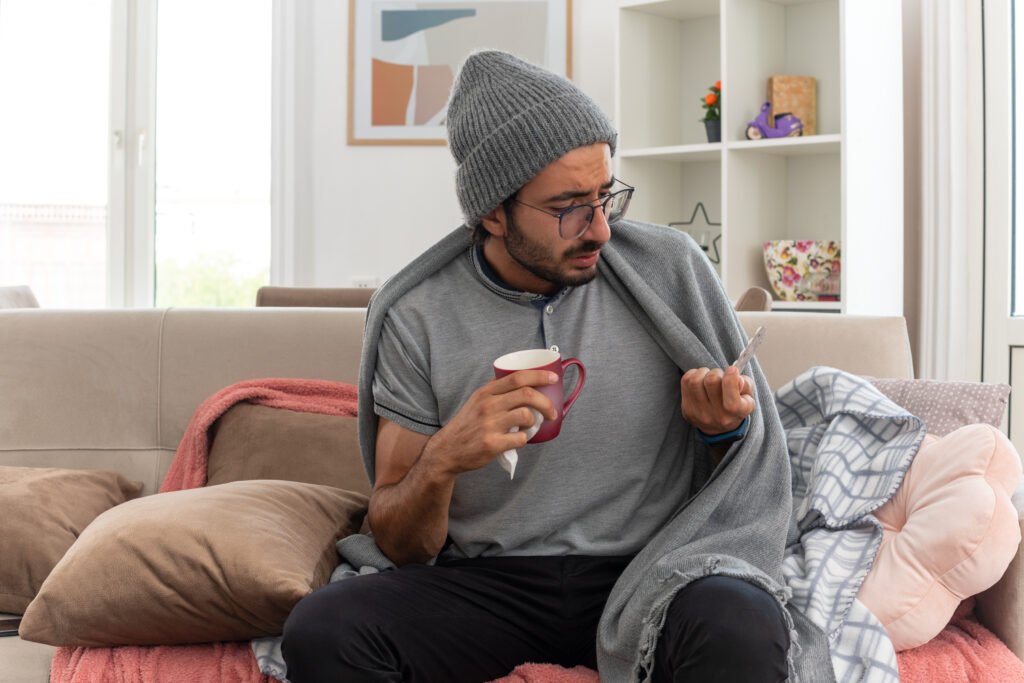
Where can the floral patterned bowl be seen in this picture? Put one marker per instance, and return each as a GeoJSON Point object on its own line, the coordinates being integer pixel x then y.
{"type": "Point", "coordinates": [803, 270]}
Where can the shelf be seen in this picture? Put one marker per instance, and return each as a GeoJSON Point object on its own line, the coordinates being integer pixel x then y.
{"type": "Point", "coordinates": [812, 144]}
{"type": "Point", "coordinates": [673, 9]}
{"type": "Point", "coordinates": [807, 306]}
{"type": "Point", "coordinates": [814, 187]}
{"type": "Point", "coordinates": [659, 104]}
{"type": "Point", "coordinates": [704, 152]}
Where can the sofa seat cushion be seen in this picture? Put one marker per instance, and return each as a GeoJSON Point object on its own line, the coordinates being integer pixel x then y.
{"type": "Point", "coordinates": [23, 662]}
{"type": "Point", "coordinates": [44, 512]}
{"type": "Point", "coordinates": [950, 531]}
{"type": "Point", "coordinates": [224, 562]}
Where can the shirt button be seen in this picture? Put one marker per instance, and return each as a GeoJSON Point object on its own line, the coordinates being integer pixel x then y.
{"type": "Point", "coordinates": [554, 348]}
{"type": "Point", "coordinates": [549, 309]}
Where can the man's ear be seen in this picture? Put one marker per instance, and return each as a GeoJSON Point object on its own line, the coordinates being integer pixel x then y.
{"type": "Point", "coordinates": [494, 222]}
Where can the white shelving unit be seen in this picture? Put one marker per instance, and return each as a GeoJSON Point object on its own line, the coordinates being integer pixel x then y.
{"type": "Point", "coordinates": [845, 183]}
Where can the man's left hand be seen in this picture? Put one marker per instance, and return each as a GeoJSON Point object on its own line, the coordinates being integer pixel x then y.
{"type": "Point", "coordinates": [716, 401]}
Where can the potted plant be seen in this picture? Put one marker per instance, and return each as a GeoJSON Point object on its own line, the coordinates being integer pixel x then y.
{"type": "Point", "coordinates": [712, 104]}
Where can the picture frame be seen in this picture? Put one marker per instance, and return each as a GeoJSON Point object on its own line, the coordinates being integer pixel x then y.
{"type": "Point", "coordinates": [403, 56]}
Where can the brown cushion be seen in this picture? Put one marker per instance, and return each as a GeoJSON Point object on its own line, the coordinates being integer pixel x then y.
{"type": "Point", "coordinates": [43, 511]}
{"type": "Point", "coordinates": [224, 562]}
{"type": "Point", "coordinates": [258, 442]}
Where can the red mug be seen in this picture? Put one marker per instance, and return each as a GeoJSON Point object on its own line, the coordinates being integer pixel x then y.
{"type": "Point", "coordinates": [544, 359]}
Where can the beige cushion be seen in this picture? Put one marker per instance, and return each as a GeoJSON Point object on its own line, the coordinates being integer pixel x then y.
{"type": "Point", "coordinates": [44, 511]}
{"type": "Point", "coordinates": [115, 389]}
{"type": "Point", "coordinates": [143, 465]}
{"type": "Point", "coordinates": [24, 662]}
{"type": "Point", "coordinates": [206, 350]}
{"type": "Point", "coordinates": [225, 562]}
{"type": "Point", "coordinates": [863, 345]}
{"type": "Point", "coordinates": [78, 379]}
{"type": "Point", "coordinates": [259, 442]}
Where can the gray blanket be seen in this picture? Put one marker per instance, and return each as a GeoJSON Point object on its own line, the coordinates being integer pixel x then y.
{"type": "Point", "coordinates": [849, 448]}
{"type": "Point", "coordinates": [733, 519]}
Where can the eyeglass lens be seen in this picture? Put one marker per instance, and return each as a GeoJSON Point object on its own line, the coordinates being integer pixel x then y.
{"type": "Point", "coordinates": [576, 221]}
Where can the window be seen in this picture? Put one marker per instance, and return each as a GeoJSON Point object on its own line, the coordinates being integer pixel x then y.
{"type": "Point", "coordinates": [135, 143]}
{"type": "Point", "coordinates": [54, 133]}
{"type": "Point", "coordinates": [213, 106]}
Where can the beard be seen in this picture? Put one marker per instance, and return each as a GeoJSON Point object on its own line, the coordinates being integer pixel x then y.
{"type": "Point", "coordinates": [535, 258]}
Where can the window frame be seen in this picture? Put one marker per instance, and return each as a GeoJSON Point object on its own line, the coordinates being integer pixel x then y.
{"type": "Point", "coordinates": [131, 224]}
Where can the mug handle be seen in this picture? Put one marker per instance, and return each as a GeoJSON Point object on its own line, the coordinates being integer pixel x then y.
{"type": "Point", "coordinates": [581, 378]}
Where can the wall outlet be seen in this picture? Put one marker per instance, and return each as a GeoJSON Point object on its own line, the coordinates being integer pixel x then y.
{"type": "Point", "coordinates": [366, 281]}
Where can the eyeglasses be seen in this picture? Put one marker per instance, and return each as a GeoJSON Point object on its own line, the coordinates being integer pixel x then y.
{"type": "Point", "coordinates": [575, 220]}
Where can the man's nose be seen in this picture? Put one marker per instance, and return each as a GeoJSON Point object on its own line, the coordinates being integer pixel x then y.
{"type": "Point", "coordinates": [599, 230]}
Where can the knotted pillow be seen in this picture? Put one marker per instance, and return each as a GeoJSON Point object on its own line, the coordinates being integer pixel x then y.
{"type": "Point", "coordinates": [950, 532]}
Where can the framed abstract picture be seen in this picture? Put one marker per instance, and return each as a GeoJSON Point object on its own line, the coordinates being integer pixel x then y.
{"type": "Point", "coordinates": [404, 54]}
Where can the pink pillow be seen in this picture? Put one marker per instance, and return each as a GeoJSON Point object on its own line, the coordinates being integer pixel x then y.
{"type": "Point", "coordinates": [950, 531]}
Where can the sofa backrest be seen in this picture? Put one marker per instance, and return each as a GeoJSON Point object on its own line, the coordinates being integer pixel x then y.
{"type": "Point", "coordinates": [876, 346]}
{"type": "Point", "coordinates": [116, 389]}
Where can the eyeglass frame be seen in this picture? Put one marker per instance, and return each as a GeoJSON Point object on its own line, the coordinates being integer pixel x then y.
{"type": "Point", "coordinates": [593, 206]}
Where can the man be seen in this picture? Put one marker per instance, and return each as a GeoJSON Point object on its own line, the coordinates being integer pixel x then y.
{"type": "Point", "coordinates": [524, 567]}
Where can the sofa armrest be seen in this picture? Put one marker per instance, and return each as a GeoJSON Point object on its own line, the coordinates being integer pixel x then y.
{"type": "Point", "coordinates": [1001, 607]}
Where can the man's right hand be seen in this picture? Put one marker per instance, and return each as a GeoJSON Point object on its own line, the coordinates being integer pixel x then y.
{"type": "Point", "coordinates": [416, 474]}
{"type": "Point", "coordinates": [479, 431]}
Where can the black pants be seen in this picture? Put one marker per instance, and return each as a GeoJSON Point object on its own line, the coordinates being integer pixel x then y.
{"type": "Point", "coordinates": [476, 620]}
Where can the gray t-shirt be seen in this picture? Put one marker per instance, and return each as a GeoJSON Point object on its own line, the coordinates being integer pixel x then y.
{"type": "Point", "coordinates": [612, 477]}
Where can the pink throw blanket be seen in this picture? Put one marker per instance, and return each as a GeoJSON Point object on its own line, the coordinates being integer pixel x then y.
{"type": "Point", "coordinates": [188, 470]}
{"type": "Point", "coordinates": [549, 673]}
{"type": "Point", "coordinates": [205, 662]}
{"type": "Point", "coordinates": [963, 651]}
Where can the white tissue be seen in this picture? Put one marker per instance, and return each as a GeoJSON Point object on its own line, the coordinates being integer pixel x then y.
{"type": "Point", "coordinates": [509, 458]}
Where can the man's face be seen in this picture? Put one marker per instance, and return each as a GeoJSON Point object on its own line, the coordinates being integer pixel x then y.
{"type": "Point", "coordinates": [530, 254]}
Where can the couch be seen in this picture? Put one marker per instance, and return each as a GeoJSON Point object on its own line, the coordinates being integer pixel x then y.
{"type": "Point", "coordinates": [114, 390]}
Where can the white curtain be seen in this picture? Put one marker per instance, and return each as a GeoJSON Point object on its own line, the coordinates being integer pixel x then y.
{"type": "Point", "coordinates": [938, 221]}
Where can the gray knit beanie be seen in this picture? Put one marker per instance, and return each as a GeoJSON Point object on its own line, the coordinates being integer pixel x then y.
{"type": "Point", "coordinates": [508, 119]}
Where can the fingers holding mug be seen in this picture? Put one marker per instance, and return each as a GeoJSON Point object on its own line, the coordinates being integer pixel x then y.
{"type": "Point", "coordinates": [519, 362]}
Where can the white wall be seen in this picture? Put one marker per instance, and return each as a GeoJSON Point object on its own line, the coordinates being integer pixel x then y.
{"type": "Point", "coordinates": [365, 211]}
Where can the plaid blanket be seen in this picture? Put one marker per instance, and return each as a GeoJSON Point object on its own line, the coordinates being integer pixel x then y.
{"type": "Point", "coordinates": [849, 449]}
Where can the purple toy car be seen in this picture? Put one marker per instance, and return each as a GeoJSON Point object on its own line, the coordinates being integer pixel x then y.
{"type": "Point", "coordinates": [786, 125]}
